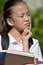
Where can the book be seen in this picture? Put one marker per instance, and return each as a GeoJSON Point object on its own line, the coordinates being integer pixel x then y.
{"type": "Point", "coordinates": [19, 58]}
{"type": "Point", "coordinates": [2, 57]}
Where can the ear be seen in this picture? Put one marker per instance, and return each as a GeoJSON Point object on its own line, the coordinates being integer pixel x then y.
{"type": "Point", "coordinates": [10, 21]}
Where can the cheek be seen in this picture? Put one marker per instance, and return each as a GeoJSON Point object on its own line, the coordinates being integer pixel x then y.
{"type": "Point", "coordinates": [18, 24]}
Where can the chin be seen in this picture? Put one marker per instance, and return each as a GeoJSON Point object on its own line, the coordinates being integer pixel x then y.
{"type": "Point", "coordinates": [28, 28]}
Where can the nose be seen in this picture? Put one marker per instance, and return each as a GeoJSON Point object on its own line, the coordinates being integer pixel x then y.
{"type": "Point", "coordinates": [26, 17]}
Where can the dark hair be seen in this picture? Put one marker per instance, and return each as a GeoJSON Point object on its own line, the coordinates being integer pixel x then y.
{"type": "Point", "coordinates": [7, 14]}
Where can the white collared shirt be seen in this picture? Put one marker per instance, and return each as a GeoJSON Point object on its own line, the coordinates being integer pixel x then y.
{"type": "Point", "coordinates": [35, 48]}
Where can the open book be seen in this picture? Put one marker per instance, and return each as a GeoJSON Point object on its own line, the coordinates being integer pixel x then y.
{"type": "Point", "coordinates": [18, 58]}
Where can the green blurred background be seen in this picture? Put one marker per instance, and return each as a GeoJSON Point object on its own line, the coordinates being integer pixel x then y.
{"type": "Point", "coordinates": [37, 19]}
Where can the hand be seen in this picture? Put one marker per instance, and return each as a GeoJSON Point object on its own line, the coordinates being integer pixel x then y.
{"type": "Point", "coordinates": [25, 37]}
{"type": "Point", "coordinates": [35, 61]}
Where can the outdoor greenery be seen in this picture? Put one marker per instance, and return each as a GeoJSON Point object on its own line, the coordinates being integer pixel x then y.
{"type": "Point", "coordinates": [37, 20]}
{"type": "Point", "coordinates": [37, 28]}
{"type": "Point", "coordinates": [1, 5]}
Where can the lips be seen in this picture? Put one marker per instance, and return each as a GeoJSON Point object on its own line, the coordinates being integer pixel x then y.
{"type": "Point", "coordinates": [27, 23]}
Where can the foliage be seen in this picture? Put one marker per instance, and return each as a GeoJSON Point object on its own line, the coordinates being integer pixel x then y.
{"type": "Point", "coordinates": [37, 20]}
{"type": "Point", "coordinates": [1, 5]}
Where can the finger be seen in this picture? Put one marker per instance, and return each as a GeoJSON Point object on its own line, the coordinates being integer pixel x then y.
{"type": "Point", "coordinates": [35, 62]}
{"type": "Point", "coordinates": [26, 32]}
{"type": "Point", "coordinates": [29, 35]}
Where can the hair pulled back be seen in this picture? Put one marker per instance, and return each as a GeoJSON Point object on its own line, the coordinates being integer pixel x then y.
{"type": "Point", "coordinates": [7, 14]}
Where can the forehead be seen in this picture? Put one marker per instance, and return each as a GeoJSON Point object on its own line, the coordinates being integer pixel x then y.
{"type": "Point", "coordinates": [20, 8]}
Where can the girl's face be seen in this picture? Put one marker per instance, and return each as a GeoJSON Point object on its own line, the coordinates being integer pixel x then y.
{"type": "Point", "coordinates": [21, 17]}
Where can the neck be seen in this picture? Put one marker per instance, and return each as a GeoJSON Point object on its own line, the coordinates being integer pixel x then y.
{"type": "Point", "coordinates": [16, 34]}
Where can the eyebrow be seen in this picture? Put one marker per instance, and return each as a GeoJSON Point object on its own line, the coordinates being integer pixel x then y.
{"type": "Point", "coordinates": [26, 12]}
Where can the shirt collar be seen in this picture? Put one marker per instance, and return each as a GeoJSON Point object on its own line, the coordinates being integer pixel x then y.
{"type": "Point", "coordinates": [13, 40]}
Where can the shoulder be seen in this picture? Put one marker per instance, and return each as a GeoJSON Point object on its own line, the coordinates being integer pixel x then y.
{"type": "Point", "coordinates": [35, 45]}
{"type": "Point", "coordinates": [35, 41]}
